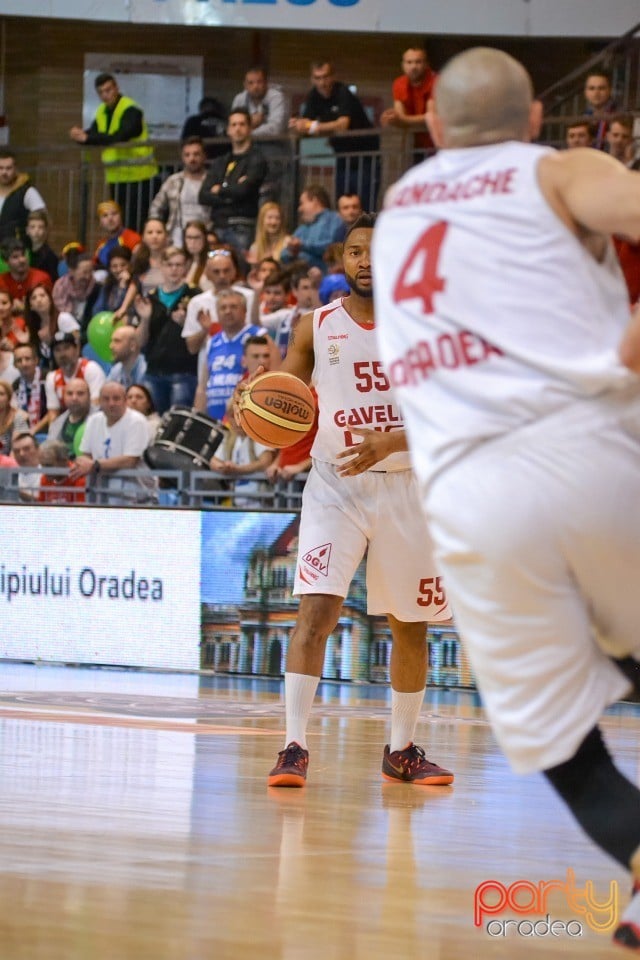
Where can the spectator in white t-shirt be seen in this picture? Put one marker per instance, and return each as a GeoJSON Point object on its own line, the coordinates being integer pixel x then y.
{"type": "Point", "coordinates": [114, 439]}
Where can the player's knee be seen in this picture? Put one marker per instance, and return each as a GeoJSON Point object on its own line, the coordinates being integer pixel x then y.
{"type": "Point", "coordinates": [308, 641]}
{"type": "Point", "coordinates": [316, 621]}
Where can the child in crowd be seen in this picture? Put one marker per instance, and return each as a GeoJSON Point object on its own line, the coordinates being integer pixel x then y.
{"type": "Point", "coordinates": [58, 488]}
{"type": "Point", "coordinates": [119, 289]}
{"type": "Point", "coordinates": [42, 256]}
{"type": "Point", "coordinates": [275, 309]}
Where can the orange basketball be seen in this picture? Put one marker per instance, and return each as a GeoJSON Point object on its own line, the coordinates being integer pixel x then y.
{"type": "Point", "coordinates": [277, 409]}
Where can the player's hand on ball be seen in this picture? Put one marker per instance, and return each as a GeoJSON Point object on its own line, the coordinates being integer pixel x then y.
{"type": "Point", "coordinates": [375, 446]}
{"type": "Point", "coordinates": [241, 387]}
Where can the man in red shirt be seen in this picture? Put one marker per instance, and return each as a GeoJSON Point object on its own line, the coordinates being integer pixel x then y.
{"type": "Point", "coordinates": [21, 278]}
{"type": "Point", "coordinates": [411, 94]}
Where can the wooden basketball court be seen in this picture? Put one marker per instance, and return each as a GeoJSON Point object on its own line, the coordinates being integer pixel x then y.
{"type": "Point", "coordinates": [135, 822]}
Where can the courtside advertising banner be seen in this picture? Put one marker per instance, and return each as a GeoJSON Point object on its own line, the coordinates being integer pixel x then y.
{"type": "Point", "coordinates": [104, 586]}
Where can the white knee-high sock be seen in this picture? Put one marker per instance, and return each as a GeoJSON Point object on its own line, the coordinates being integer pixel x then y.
{"type": "Point", "coordinates": [405, 711]}
{"type": "Point", "coordinates": [299, 691]}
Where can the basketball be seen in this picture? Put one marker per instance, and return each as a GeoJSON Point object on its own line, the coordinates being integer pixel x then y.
{"type": "Point", "coordinates": [276, 410]}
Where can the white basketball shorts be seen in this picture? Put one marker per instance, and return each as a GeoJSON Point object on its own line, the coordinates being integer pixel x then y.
{"type": "Point", "coordinates": [343, 517]}
{"type": "Point", "coordinates": [538, 537]}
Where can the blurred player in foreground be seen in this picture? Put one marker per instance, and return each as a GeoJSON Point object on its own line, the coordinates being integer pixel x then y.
{"type": "Point", "coordinates": [360, 495]}
{"type": "Point", "coordinates": [505, 329]}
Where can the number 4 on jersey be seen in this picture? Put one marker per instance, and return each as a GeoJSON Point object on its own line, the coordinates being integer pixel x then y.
{"type": "Point", "coordinates": [422, 266]}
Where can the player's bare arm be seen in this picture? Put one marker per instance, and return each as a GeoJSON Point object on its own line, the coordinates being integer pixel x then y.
{"type": "Point", "coordinates": [375, 446]}
{"type": "Point", "coordinates": [629, 350]}
{"type": "Point", "coordinates": [592, 192]}
{"type": "Point", "coordinates": [595, 195]}
{"type": "Point", "coordinates": [299, 359]}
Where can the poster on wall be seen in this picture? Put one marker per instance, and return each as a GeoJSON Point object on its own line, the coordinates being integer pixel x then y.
{"type": "Point", "coordinates": [167, 88]}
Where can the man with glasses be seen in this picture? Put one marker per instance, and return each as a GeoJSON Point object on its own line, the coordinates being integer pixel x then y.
{"type": "Point", "coordinates": [222, 271]}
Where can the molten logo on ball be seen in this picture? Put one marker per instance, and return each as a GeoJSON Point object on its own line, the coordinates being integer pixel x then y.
{"type": "Point", "coordinates": [277, 409]}
{"type": "Point", "coordinates": [290, 408]}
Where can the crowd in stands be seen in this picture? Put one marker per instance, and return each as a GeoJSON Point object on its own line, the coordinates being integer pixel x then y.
{"type": "Point", "coordinates": [604, 127]}
{"type": "Point", "coordinates": [97, 347]}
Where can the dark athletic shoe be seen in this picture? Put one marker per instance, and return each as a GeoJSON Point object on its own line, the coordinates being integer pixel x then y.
{"type": "Point", "coordinates": [627, 933]}
{"type": "Point", "coordinates": [411, 766]}
{"type": "Point", "coordinates": [291, 768]}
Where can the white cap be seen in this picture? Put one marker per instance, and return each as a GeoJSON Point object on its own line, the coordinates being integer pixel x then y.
{"type": "Point", "coordinates": [67, 322]}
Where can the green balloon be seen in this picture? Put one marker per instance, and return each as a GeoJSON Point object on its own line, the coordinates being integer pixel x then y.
{"type": "Point", "coordinates": [99, 334]}
{"type": "Point", "coordinates": [77, 439]}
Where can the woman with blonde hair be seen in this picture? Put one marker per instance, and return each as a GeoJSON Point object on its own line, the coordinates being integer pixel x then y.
{"type": "Point", "coordinates": [270, 234]}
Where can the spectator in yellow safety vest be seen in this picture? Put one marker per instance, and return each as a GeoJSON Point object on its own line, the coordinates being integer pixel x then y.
{"type": "Point", "coordinates": [120, 129]}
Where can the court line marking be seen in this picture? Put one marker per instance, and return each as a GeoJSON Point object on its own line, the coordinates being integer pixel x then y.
{"type": "Point", "coordinates": [175, 726]}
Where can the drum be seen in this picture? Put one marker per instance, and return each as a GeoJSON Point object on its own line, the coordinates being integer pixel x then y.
{"type": "Point", "coordinates": [185, 440]}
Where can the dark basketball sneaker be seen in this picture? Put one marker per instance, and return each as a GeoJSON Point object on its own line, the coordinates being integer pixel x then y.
{"type": "Point", "coordinates": [411, 766]}
{"type": "Point", "coordinates": [628, 935]}
{"type": "Point", "coordinates": [291, 768]}
{"type": "Point", "coordinates": [628, 931]}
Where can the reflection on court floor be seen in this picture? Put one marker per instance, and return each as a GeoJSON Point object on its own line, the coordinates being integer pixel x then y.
{"type": "Point", "coordinates": [135, 822]}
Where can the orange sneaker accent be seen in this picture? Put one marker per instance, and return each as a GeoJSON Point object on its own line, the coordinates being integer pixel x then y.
{"type": "Point", "coordinates": [291, 767]}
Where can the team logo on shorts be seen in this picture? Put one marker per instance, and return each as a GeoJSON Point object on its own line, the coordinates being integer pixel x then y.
{"type": "Point", "coordinates": [318, 559]}
{"type": "Point", "coordinates": [334, 354]}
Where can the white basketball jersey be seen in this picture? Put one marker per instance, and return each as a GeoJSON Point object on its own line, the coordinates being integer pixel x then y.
{"type": "Point", "coordinates": [352, 388]}
{"type": "Point", "coordinates": [491, 314]}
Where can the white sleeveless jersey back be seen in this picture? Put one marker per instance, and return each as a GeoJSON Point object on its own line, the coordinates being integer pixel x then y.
{"type": "Point", "coordinates": [352, 388]}
{"type": "Point", "coordinates": [491, 314]}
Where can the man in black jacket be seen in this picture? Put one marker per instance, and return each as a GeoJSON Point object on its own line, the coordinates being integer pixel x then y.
{"type": "Point", "coordinates": [232, 186]}
{"type": "Point", "coordinates": [331, 110]}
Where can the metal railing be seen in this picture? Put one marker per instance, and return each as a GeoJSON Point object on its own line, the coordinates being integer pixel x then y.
{"type": "Point", "coordinates": [189, 489]}
{"type": "Point", "coordinates": [72, 181]}
{"type": "Point", "coordinates": [563, 101]}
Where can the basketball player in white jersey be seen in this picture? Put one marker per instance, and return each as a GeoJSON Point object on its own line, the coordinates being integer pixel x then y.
{"type": "Point", "coordinates": [505, 329]}
{"type": "Point", "coordinates": [360, 495]}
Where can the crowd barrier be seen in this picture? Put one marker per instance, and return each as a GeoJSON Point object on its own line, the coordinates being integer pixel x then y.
{"type": "Point", "coordinates": [145, 487]}
{"type": "Point", "coordinates": [72, 181]}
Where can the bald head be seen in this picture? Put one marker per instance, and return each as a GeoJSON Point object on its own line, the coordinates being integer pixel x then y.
{"type": "Point", "coordinates": [483, 96]}
{"type": "Point", "coordinates": [125, 345]}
